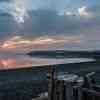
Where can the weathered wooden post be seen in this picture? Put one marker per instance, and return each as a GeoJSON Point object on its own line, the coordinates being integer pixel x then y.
{"type": "Point", "coordinates": [50, 75]}
{"type": "Point", "coordinates": [59, 90]}
{"type": "Point", "coordinates": [69, 91]}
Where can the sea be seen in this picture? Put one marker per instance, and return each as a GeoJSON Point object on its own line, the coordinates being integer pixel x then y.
{"type": "Point", "coordinates": [18, 84]}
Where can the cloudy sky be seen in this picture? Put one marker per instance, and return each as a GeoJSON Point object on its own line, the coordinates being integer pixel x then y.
{"type": "Point", "coordinates": [27, 25]}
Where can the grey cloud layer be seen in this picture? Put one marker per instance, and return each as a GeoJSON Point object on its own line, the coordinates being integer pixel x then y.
{"type": "Point", "coordinates": [94, 10]}
{"type": "Point", "coordinates": [46, 21]}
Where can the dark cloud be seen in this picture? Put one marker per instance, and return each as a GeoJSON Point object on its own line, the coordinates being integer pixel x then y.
{"type": "Point", "coordinates": [49, 22]}
{"type": "Point", "coordinates": [43, 22]}
{"type": "Point", "coordinates": [94, 10]}
{"type": "Point", "coordinates": [44, 19]}
{"type": "Point", "coordinates": [5, 0]}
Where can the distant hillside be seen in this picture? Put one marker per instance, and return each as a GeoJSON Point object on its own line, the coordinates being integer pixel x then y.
{"type": "Point", "coordinates": [64, 54]}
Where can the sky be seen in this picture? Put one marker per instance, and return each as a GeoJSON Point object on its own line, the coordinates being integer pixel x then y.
{"type": "Point", "coordinates": [27, 25]}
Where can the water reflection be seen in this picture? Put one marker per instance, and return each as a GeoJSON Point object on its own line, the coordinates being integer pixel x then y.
{"type": "Point", "coordinates": [22, 61]}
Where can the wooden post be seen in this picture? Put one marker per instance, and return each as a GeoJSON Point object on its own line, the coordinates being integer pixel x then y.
{"type": "Point", "coordinates": [60, 90]}
{"type": "Point", "coordinates": [69, 91]}
{"type": "Point", "coordinates": [79, 93]}
{"type": "Point", "coordinates": [51, 92]}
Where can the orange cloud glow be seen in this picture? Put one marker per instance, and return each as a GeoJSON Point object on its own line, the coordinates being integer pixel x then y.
{"type": "Point", "coordinates": [18, 42]}
{"type": "Point", "coordinates": [13, 63]}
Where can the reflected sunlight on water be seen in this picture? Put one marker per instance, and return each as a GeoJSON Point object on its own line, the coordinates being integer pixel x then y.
{"type": "Point", "coordinates": [23, 61]}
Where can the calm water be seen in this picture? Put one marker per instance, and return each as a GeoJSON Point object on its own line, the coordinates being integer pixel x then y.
{"type": "Point", "coordinates": [21, 85]}
{"type": "Point", "coordinates": [73, 65]}
{"type": "Point", "coordinates": [13, 61]}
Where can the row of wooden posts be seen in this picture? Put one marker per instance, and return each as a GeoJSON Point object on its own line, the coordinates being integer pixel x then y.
{"type": "Point", "coordinates": [64, 90]}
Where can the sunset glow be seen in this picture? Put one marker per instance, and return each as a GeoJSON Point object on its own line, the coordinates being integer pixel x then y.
{"type": "Point", "coordinates": [49, 24]}
{"type": "Point", "coordinates": [8, 62]}
{"type": "Point", "coordinates": [18, 42]}
{"type": "Point", "coordinates": [26, 62]}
